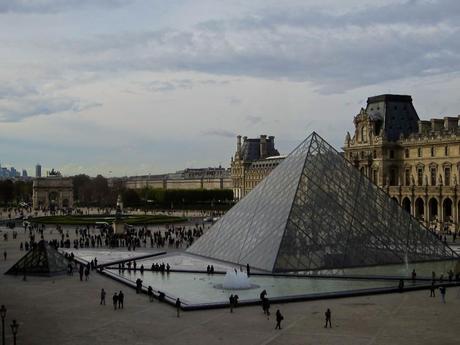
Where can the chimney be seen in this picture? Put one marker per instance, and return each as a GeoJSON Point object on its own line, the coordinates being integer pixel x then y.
{"type": "Point", "coordinates": [450, 123]}
{"type": "Point", "coordinates": [238, 143]}
{"type": "Point", "coordinates": [424, 126]}
{"type": "Point", "coordinates": [263, 147]}
{"type": "Point", "coordinates": [437, 124]}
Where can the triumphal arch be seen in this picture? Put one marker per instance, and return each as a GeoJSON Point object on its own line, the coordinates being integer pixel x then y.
{"type": "Point", "coordinates": [53, 192]}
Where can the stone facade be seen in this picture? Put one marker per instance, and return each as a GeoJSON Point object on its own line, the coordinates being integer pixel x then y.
{"type": "Point", "coordinates": [416, 162]}
{"type": "Point", "coordinates": [203, 178]}
{"type": "Point", "coordinates": [253, 160]}
{"type": "Point", "coordinates": [52, 192]}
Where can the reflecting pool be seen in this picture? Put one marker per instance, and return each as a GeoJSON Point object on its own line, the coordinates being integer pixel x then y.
{"type": "Point", "coordinates": [197, 288]}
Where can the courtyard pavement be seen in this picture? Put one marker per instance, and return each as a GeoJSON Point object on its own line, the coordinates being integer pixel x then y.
{"type": "Point", "coordinates": [63, 310]}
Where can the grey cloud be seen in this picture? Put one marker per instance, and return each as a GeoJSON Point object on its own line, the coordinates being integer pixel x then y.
{"type": "Point", "coordinates": [254, 120]}
{"type": "Point", "coordinates": [219, 133]}
{"type": "Point", "coordinates": [53, 6]}
{"type": "Point", "coordinates": [235, 101]}
{"type": "Point", "coordinates": [336, 52]}
{"type": "Point", "coordinates": [21, 100]}
{"type": "Point", "coordinates": [407, 12]}
{"type": "Point", "coordinates": [14, 90]}
{"type": "Point", "coordinates": [176, 84]}
{"type": "Point", "coordinates": [30, 108]}
{"type": "Point", "coordinates": [164, 86]}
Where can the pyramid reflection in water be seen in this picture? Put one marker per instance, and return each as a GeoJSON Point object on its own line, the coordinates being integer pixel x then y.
{"type": "Point", "coordinates": [316, 211]}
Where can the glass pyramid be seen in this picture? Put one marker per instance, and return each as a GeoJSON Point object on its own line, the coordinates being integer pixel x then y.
{"type": "Point", "coordinates": [316, 211]}
{"type": "Point", "coordinates": [42, 259]}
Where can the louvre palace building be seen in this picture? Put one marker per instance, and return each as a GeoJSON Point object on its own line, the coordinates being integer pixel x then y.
{"type": "Point", "coordinates": [254, 159]}
{"type": "Point", "coordinates": [417, 162]}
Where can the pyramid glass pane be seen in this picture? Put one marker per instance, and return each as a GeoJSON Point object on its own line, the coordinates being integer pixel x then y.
{"type": "Point", "coordinates": [316, 211]}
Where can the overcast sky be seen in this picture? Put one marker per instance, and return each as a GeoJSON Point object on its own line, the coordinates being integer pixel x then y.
{"type": "Point", "coordinates": [133, 87]}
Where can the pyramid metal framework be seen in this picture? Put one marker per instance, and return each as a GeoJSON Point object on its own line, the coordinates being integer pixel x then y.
{"type": "Point", "coordinates": [316, 211]}
{"type": "Point", "coordinates": [41, 260]}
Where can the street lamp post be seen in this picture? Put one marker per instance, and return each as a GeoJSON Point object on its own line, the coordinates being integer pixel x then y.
{"type": "Point", "coordinates": [14, 329]}
{"type": "Point", "coordinates": [3, 315]}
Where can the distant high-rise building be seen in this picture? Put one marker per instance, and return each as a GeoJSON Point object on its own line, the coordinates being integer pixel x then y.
{"type": "Point", "coordinates": [38, 170]}
{"type": "Point", "coordinates": [24, 173]}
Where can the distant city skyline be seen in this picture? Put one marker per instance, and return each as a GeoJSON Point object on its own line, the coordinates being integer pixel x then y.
{"type": "Point", "coordinates": [131, 87]}
{"type": "Point", "coordinates": [9, 171]}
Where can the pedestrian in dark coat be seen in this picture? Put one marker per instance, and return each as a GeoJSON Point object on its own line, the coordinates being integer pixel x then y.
{"type": "Point", "coordinates": [279, 318]}
{"type": "Point", "coordinates": [231, 301]}
{"type": "Point", "coordinates": [121, 299]}
{"type": "Point", "coordinates": [178, 307]}
{"type": "Point", "coordinates": [266, 307]}
{"type": "Point", "coordinates": [150, 293]}
{"type": "Point", "coordinates": [115, 300]}
{"type": "Point", "coordinates": [102, 297]}
{"type": "Point", "coordinates": [328, 318]}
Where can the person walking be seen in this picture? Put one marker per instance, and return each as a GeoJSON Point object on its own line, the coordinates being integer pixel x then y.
{"type": "Point", "coordinates": [150, 293]}
{"type": "Point", "coordinates": [328, 318]}
{"type": "Point", "coordinates": [231, 301]}
{"type": "Point", "coordinates": [138, 285]}
{"type": "Point", "coordinates": [102, 297]}
{"type": "Point", "coordinates": [401, 285]}
{"type": "Point", "coordinates": [235, 300]}
{"type": "Point", "coordinates": [442, 290]}
{"type": "Point", "coordinates": [80, 271]}
{"type": "Point", "coordinates": [115, 300]}
{"type": "Point", "coordinates": [86, 273]}
{"type": "Point", "coordinates": [266, 307]}
{"type": "Point", "coordinates": [263, 294]}
{"type": "Point", "coordinates": [5, 254]}
{"type": "Point", "coordinates": [279, 318]}
{"type": "Point", "coordinates": [121, 299]}
{"type": "Point", "coordinates": [432, 289]}
{"type": "Point", "coordinates": [178, 307]}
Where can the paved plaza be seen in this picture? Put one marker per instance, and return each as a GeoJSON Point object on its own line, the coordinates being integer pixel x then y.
{"type": "Point", "coordinates": [63, 310]}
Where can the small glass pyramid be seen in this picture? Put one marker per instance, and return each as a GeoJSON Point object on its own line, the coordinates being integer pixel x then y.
{"type": "Point", "coordinates": [316, 211]}
{"type": "Point", "coordinates": [42, 259]}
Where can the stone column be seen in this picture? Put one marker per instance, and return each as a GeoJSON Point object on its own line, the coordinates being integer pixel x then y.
{"type": "Point", "coordinates": [454, 212]}
{"type": "Point", "coordinates": [440, 213]}
{"type": "Point", "coordinates": [426, 211]}
{"type": "Point", "coordinates": [412, 205]}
